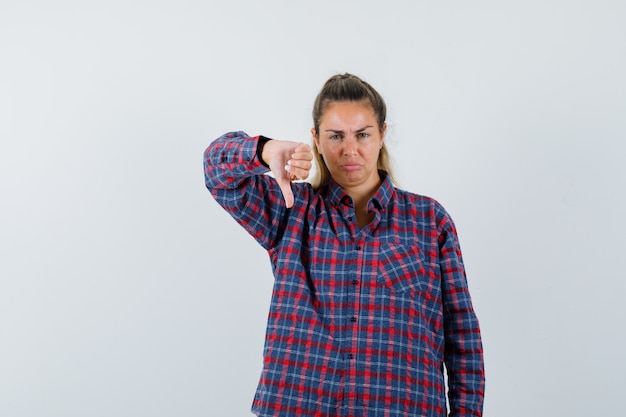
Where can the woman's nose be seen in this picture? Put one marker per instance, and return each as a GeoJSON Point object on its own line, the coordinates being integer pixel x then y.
{"type": "Point", "coordinates": [349, 146]}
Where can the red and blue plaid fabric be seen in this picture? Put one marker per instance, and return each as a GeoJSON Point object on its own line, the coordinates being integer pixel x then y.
{"type": "Point", "coordinates": [361, 321]}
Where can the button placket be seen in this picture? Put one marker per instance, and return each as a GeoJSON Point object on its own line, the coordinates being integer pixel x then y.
{"type": "Point", "coordinates": [355, 282]}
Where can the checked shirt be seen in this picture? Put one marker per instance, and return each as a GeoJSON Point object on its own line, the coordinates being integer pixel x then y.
{"type": "Point", "coordinates": [361, 321]}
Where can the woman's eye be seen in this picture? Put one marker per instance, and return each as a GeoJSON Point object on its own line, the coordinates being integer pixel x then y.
{"type": "Point", "coordinates": [334, 137]}
{"type": "Point", "coordinates": [363, 135]}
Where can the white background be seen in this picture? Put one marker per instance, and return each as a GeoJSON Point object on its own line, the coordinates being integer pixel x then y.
{"type": "Point", "coordinates": [125, 290]}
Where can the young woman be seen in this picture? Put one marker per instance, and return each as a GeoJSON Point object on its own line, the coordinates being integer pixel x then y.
{"type": "Point", "coordinates": [370, 299]}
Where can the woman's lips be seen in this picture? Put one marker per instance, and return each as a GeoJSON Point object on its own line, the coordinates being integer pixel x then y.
{"type": "Point", "coordinates": [350, 166]}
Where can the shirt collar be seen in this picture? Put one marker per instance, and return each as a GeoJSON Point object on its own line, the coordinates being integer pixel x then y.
{"type": "Point", "coordinates": [381, 198]}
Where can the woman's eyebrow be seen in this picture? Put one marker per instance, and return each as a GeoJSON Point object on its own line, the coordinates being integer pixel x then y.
{"type": "Point", "coordinates": [363, 128]}
{"type": "Point", "coordinates": [356, 131]}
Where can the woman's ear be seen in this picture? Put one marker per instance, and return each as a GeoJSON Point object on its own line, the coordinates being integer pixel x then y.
{"type": "Point", "coordinates": [316, 140]}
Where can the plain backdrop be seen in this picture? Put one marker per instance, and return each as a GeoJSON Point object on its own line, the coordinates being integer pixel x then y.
{"type": "Point", "coordinates": [125, 290]}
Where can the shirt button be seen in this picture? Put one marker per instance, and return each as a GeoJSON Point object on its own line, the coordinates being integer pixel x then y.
{"type": "Point", "coordinates": [353, 319]}
{"type": "Point", "coordinates": [354, 282]}
{"type": "Point", "coordinates": [358, 247]}
{"type": "Point", "coordinates": [350, 356]}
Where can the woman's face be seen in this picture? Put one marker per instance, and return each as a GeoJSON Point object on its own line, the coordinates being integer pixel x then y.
{"type": "Point", "coordinates": [349, 141]}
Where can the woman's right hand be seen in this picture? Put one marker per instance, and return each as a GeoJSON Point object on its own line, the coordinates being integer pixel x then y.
{"type": "Point", "coordinates": [288, 161]}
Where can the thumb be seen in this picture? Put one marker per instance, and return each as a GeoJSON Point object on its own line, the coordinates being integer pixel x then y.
{"type": "Point", "coordinates": [285, 187]}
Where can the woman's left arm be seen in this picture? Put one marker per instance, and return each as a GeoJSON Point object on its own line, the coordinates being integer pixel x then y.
{"type": "Point", "coordinates": [463, 346]}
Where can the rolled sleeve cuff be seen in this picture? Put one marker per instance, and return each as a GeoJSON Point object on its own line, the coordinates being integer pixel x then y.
{"type": "Point", "coordinates": [250, 155]}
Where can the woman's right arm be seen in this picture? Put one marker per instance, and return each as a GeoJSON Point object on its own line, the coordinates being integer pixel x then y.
{"type": "Point", "coordinates": [234, 169]}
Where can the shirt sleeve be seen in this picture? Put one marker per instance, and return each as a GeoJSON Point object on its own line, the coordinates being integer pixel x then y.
{"type": "Point", "coordinates": [463, 346]}
{"type": "Point", "coordinates": [234, 174]}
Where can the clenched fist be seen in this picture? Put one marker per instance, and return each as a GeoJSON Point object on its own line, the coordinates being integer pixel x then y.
{"type": "Point", "coordinates": [288, 161]}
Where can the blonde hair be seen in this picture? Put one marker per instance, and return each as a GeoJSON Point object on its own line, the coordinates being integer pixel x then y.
{"type": "Point", "coordinates": [348, 87]}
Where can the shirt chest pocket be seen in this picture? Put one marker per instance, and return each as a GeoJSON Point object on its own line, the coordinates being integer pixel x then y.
{"type": "Point", "coordinates": [401, 268]}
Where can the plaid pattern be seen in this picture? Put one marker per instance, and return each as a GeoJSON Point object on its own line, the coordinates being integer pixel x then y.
{"type": "Point", "coordinates": [361, 322]}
